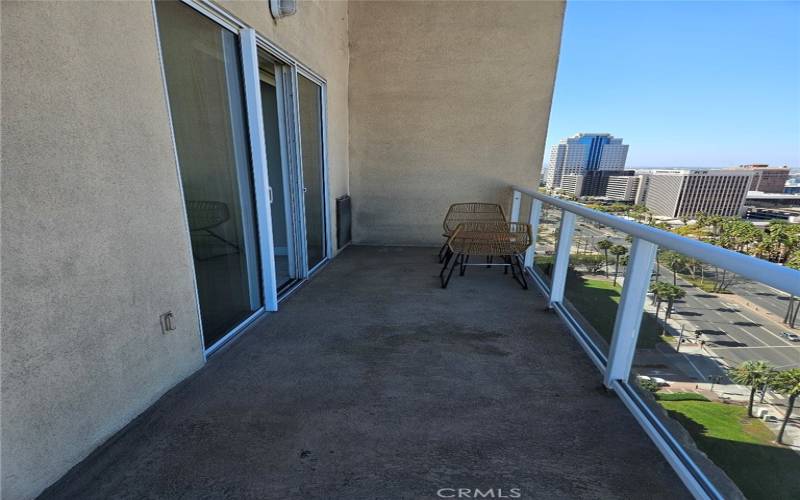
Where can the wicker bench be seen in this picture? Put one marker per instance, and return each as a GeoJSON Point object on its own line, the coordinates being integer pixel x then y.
{"type": "Point", "coordinates": [507, 240]}
{"type": "Point", "coordinates": [468, 212]}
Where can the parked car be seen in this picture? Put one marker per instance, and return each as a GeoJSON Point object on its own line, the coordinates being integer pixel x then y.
{"type": "Point", "coordinates": [660, 381]}
{"type": "Point", "coordinates": [791, 336]}
{"type": "Point", "coordinates": [643, 378]}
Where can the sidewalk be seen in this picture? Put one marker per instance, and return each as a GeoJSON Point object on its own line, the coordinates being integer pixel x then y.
{"type": "Point", "coordinates": [702, 363]}
{"type": "Point", "coordinates": [691, 369]}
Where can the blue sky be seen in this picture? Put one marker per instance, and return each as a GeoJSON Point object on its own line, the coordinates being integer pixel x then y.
{"type": "Point", "coordinates": [685, 83]}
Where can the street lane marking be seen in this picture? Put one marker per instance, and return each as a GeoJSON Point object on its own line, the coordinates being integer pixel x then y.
{"type": "Point", "coordinates": [777, 336]}
{"type": "Point", "coordinates": [742, 328]}
{"type": "Point", "coordinates": [702, 377]}
{"type": "Point", "coordinates": [776, 347]}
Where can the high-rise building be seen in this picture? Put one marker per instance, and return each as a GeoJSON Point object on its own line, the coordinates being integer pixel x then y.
{"type": "Point", "coordinates": [679, 193]}
{"type": "Point", "coordinates": [584, 153]}
{"type": "Point", "coordinates": [595, 183]}
{"type": "Point", "coordinates": [623, 187]}
{"type": "Point", "coordinates": [767, 179]}
{"type": "Point", "coordinates": [572, 185]}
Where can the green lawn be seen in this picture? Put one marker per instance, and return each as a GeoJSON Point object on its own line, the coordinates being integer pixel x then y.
{"type": "Point", "coordinates": [680, 396]}
{"type": "Point", "coordinates": [597, 301]}
{"type": "Point", "coordinates": [741, 446]}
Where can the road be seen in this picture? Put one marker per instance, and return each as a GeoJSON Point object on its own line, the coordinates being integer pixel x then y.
{"type": "Point", "coordinates": [731, 332]}
{"type": "Point", "coordinates": [762, 296]}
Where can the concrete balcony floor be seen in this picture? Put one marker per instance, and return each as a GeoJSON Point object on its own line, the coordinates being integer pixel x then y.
{"type": "Point", "coordinates": [373, 382]}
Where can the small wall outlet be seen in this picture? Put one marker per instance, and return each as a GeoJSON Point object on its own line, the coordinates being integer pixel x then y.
{"type": "Point", "coordinates": [167, 322]}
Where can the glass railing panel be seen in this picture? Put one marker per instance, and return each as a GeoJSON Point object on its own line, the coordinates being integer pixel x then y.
{"type": "Point", "coordinates": [526, 202]}
{"type": "Point", "coordinates": [708, 325]}
{"type": "Point", "coordinates": [546, 241]}
{"type": "Point", "coordinates": [595, 276]}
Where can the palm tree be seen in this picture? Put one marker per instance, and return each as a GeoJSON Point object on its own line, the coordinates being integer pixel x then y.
{"type": "Point", "coordinates": [752, 374]}
{"type": "Point", "coordinates": [657, 266]}
{"type": "Point", "coordinates": [790, 318]}
{"type": "Point", "coordinates": [639, 212]}
{"type": "Point", "coordinates": [788, 383]}
{"type": "Point", "coordinates": [674, 261]}
{"type": "Point", "coordinates": [655, 289]}
{"type": "Point", "coordinates": [617, 251]}
{"type": "Point", "coordinates": [604, 245]}
{"type": "Point", "coordinates": [671, 293]}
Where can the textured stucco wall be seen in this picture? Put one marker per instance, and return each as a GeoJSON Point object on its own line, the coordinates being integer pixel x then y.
{"type": "Point", "coordinates": [449, 102]}
{"type": "Point", "coordinates": [317, 37]}
{"type": "Point", "coordinates": [94, 246]}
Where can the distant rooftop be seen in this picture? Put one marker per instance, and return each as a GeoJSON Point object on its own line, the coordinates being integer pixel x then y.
{"type": "Point", "coordinates": [762, 166]}
{"type": "Point", "coordinates": [688, 171]}
{"type": "Point", "coordinates": [759, 195]}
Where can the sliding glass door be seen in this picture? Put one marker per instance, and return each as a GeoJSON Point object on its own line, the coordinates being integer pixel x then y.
{"type": "Point", "coordinates": [281, 178]}
{"type": "Point", "coordinates": [248, 132]}
{"type": "Point", "coordinates": [203, 75]}
{"type": "Point", "coordinates": [311, 146]}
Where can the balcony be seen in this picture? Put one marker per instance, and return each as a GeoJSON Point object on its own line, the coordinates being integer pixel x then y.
{"type": "Point", "coordinates": [372, 381]}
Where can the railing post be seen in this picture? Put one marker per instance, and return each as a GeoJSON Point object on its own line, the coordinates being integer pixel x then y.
{"type": "Point", "coordinates": [515, 206]}
{"type": "Point", "coordinates": [629, 312]}
{"type": "Point", "coordinates": [533, 220]}
{"type": "Point", "coordinates": [562, 257]}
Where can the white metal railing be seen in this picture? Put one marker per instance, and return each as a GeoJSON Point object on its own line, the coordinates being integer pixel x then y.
{"type": "Point", "coordinates": [768, 273]}
{"type": "Point", "coordinates": [616, 365]}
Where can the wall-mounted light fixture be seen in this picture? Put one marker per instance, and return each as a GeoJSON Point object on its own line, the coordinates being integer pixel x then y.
{"type": "Point", "coordinates": [282, 8]}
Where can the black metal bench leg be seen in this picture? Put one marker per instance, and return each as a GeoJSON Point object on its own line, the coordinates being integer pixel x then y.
{"type": "Point", "coordinates": [447, 257]}
{"type": "Point", "coordinates": [521, 278]}
{"type": "Point", "coordinates": [443, 252]}
{"type": "Point", "coordinates": [456, 260]}
{"type": "Point", "coordinates": [505, 268]}
{"type": "Point", "coordinates": [464, 263]}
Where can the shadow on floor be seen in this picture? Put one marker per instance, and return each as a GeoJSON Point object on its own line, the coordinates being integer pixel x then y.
{"type": "Point", "coordinates": [373, 382]}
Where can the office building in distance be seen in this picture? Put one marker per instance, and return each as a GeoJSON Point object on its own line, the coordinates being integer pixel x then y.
{"type": "Point", "coordinates": [584, 153]}
{"type": "Point", "coordinates": [624, 187]}
{"type": "Point", "coordinates": [572, 185]}
{"type": "Point", "coordinates": [767, 179]}
{"type": "Point", "coordinates": [684, 193]}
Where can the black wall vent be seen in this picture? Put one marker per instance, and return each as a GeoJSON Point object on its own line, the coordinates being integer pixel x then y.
{"type": "Point", "coordinates": [343, 221]}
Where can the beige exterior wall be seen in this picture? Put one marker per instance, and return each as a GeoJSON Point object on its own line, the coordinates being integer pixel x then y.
{"type": "Point", "coordinates": [94, 243]}
{"type": "Point", "coordinates": [449, 102]}
{"type": "Point", "coordinates": [94, 246]}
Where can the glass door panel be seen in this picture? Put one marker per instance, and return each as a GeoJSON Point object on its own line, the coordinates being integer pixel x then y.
{"type": "Point", "coordinates": [203, 75]}
{"type": "Point", "coordinates": [284, 231]}
{"type": "Point", "coordinates": [310, 104]}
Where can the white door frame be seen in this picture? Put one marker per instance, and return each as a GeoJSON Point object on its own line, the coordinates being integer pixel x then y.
{"type": "Point", "coordinates": [255, 122]}
{"type": "Point", "coordinates": [326, 204]}
{"type": "Point", "coordinates": [250, 41]}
